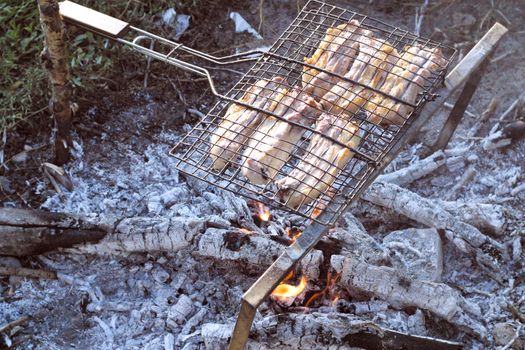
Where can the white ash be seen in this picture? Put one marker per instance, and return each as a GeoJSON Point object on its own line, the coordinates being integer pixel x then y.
{"type": "Point", "coordinates": [162, 298]}
{"type": "Point", "coordinates": [150, 300]}
{"type": "Point", "coordinates": [416, 252]}
{"type": "Point", "coordinates": [357, 242]}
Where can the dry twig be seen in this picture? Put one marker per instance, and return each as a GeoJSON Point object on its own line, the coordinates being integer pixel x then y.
{"type": "Point", "coordinates": [13, 324]}
{"type": "Point", "coordinates": [25, 272]}
{"type": "Point", "coordinates": [511, 108]}
{"type": "Point", "coordinates": [420, 15]}
{"type": "Point", "coordinates": [465, 178]}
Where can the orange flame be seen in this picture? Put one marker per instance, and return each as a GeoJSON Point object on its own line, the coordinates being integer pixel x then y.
{"type": "Point", "coordinates": [293, 234]}
{"type": "Point", "coordinates": [262, 211]}
{"type": "Point", "coordinates": [322, 203]}
{"type": "Point", "coordinates": [336, 299]}
{"type": "Point", "coordinates": [285, 290]}
{"type": "Point", "coordinates": [288, 276]}
{"type": "Point", "coordinates": [331, 281]}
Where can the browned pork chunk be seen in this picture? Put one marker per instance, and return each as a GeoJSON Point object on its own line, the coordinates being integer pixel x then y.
{"type": "Point", "coordinates": [271, 144]}
{"type": "Point", "coordinates": [322, 163]}
{"type": "Point", "coordinates": [240, 122]}
{"type": "Point", "coordinates": [335, 54]}
{"type": "Point", "coordinates": [369, 70]}
{"type": "Point", "coordinates": [405, 81]}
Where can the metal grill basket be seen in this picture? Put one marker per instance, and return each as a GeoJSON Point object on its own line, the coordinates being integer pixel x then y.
{"type": "Point", "coordinates": [284, 66]}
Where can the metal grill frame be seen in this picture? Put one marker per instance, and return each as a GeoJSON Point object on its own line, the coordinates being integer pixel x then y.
{"type": "Point", "coordinates": [300, 40]}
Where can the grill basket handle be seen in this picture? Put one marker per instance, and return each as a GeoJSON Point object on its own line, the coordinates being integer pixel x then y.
{"type": "Point", "coordinates": [144, 42]}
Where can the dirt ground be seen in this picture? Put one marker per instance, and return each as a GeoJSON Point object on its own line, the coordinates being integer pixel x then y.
{"type": "Point", "coordinates": [120, 132]}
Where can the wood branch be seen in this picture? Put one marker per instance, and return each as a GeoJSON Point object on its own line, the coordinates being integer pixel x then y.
{"type": "Point", "coordinates": [401, 292]}
{"type": "Point", "coordinates": [11, 325]}
{"type": "Point", "coordinates": [475, 130]}
{"type": "Point", "coordinates": [463, 100]}
{"type": "Point", "coordinates": [35, 218]}
{"type": "Point", "coordinates": [465, 236]}
{"type": "Point", "coordinates": [475, 56]}
{"type": "Point", "coordinates": [56, 61]}
{"type": "Point", "coordinates": [416, 170]}
{"type": "Point", "coordinates": [257, 250]}
{"type": "Point", "coordinates": [30, 232]}
{"type": "Point", "coordinates": [489, 217]}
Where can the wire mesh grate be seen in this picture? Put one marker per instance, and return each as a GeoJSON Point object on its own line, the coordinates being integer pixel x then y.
{"type": "Point", "coordinates": [309, 123]}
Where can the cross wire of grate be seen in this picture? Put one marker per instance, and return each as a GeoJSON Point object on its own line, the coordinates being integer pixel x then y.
{"type": "Point", "coordinates": [309, 123]}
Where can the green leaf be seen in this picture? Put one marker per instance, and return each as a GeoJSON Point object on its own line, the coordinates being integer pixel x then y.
{"type": "Point", "coordinates": [76, 81]}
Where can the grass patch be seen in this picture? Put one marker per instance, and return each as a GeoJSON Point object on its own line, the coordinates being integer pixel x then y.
{"type": "Point", "coordinates": [23, 85]}
{"type": "Point", "coordinates": [94, 61]}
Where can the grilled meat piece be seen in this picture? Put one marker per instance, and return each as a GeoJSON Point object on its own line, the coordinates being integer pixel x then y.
{"type": "Point", "coordinates": [239, 122]}
{"type": "Point", "coordinates": [405, 81]}
{"type": "Point", "coordinates": [271, 144]}
{"type": "Point", "coordinates": [335, 54]}
{"type": "Point", "coordinates": [320, 56]}
{"type": "Point", "coordinates": [370, 68]}
{"type": "Point", "coordinates": [322, 163]}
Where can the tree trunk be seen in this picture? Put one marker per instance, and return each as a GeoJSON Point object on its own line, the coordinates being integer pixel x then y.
{"type": "Point", "coordinates": [54, 57]}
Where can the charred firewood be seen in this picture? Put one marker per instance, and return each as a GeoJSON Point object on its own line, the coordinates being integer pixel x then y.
{"type": "Point", "coordinates": [30, 232]}
{"type": "Point", "coordinates": [256, 250]}
{"type": "Point", "coordinates": [487, 217]}
{"type": "Point", "coordinates": [466, 237]}
{"type": "Point", "coordinates": [143, 234]}
{"type": "Point", "coordinates": [401, 292]}
{"type": "Point", "coordinates": [318, 330]}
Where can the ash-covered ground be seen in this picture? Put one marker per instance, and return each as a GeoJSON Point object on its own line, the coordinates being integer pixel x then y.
{"type": "Point", "coordinates": [164, 300]}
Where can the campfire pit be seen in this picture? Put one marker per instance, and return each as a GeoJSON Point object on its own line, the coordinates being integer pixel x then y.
{"type": "Point", "coordinates": [377, 146]}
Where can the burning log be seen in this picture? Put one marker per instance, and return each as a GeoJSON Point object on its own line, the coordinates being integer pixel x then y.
{"type": "Point", "coordinates": [237, 245]}
{"type": "Point", "coordinates": [318, 330]}
{"type": "Point", "coordinates": [327, 291]}
{"type": "Point", "coordinates": [260, 211]}
{"type": "Point", "coordinates": [465, 236]}
{"type": "Point", "coordinates": [401, 292]}
{"type": "Point", "coordinates": [285, 293]}
{"type": "Point", "coordinates": [251, 248]}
